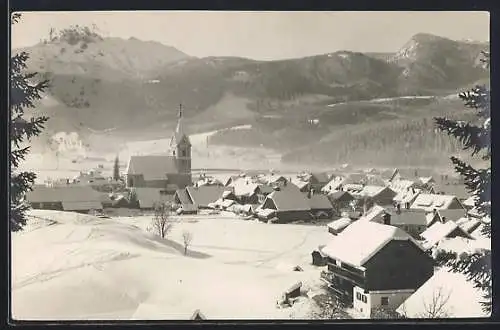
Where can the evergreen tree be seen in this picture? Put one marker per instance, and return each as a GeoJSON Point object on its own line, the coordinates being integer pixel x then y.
{"type": "Point", "coordinates": [116, 169]}
{"type": "Point", "coordinates": [24, 93]}
{"type": "Point", "coordinates": [475, 137]}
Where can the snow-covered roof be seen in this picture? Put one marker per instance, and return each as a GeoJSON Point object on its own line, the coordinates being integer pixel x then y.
{"type": "Point", "coordinates": [452, 291]}
{"type": "Point", "coordinates": [339, 224]}
{"type": "Point", "coordinates": [461, 244]}
{"type": "Point", "coordinates": [433, 201]}
{"type": "Point", "coordinates": [402, 185]}
{"type": "Point", "coordinates": [299, 182]}
{"type": "Point", "coordinates": [438, 231]}
{"type": "Point", "coordinates": [373, 213]}
{"type": "Point", "coordinates": [244, 187]}
{"type": "Point", "coordinates": [372, 191]}
{"type": "Point", "coordinates": [340, 195]}
{"type": "Point", "coordinates": [426, 180]}
{"type": "Point", "coordinates": [468, 225]}
{"type": "Point", "coordinates": [470, 202]}
{"type": "Point", "coordinates": [334, 184]}
{"type": "Point", "coordinates": [361, 240]}
{"type": "Point", "coordinates": [407, 196]}
{"type": "Point", "coordinates": [289, 198]}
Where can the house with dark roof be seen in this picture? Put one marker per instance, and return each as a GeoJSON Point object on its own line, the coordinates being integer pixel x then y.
{"type": "Point", "coordinates": [183, 199]}
{"type": "Point", "coordinates": [288, 203]}
{"type": "Point", "coordinates": [317, 180]}
{"type": "Point", "coordinates": [341, 200]}
{"type": "Point", "coordinates": [169, 172]}
{"type": "Point", "coordinates": [372, 265]}
{"type": "Point", "coordinates": [149, 197]}
{"type": "Point", "coordinates": [412, 221]}
{"type": "Point", "coordinates": [321, 207]}
{"type": "Point", "coordinates": [77, 198]}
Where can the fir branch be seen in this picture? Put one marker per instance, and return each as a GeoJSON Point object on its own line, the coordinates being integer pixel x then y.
{"type": "Point", "coordinates": [478, 98]}
{"type": "Point", "coordinates": [471, 136]}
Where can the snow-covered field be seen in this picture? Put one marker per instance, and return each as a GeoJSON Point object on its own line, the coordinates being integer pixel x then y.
{"type": "Point", "coordinates": [80, 267]}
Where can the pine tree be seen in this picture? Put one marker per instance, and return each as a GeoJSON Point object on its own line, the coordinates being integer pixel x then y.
{"type": "Point", "coordinates": [23, 95]}
{"type": "Point", "coordinates": [475, 137]}
{"type": "Point", "coordinates": [116, 169]}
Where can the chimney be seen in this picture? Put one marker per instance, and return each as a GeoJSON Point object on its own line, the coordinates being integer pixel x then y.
{"type": "Point", "coordinates": [407, 205]}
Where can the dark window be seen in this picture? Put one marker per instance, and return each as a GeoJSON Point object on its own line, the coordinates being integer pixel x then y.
{"type": "Point", "coordinates": [358, 295]}
{"type": "Point", "coordinates": [364, 299]}
{"type": "Point", "coordinates": [384, 301]}
{"type": "Point", "coordinates": [183, 153]}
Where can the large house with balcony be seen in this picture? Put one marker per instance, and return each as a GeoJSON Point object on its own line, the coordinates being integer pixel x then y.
{"type": "Point", "coordinates": [372, 265]}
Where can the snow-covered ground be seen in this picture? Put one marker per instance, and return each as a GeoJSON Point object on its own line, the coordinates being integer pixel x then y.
{"type": "Point", "coordinates": [69, 266]}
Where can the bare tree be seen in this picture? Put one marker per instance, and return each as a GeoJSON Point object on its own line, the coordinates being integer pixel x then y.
{"type": "Point", "coordinates": [162, 223]}
{"type": "Point", "coordinates": [436, 308]}
{"type": "Point", "coordinates": [330, 307]}
{"type": "Point", "coordinates": [187, 238]}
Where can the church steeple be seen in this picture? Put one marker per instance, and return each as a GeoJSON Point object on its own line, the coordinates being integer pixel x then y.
{"type": "Point", "coordinates": [180, 147]}
{"type": "Point", "coordinates": [179, 134]}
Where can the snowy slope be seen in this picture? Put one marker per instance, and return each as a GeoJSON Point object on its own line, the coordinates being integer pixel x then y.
{"type": "Point", "coordinates": [90, 268]}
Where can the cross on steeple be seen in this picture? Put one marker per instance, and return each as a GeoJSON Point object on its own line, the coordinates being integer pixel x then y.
{"type": "Point", "coordinates": [180, 110]}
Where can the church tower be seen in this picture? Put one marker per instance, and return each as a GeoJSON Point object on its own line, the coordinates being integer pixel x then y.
{"type": "Point", "coordinates": [180, 147]}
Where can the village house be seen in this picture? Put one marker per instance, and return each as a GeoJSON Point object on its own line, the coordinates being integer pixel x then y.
{"type": "Point", "coordinates": [372, 266]}
{"type": "Point", "coordinates": [378, 194]}
{"type": "Point", "coordinates": [183, 199]}
{"type": "Point", "coordinates": [77, 198]}
{"type": "Point", "coordinates": [440, 231]}
{"type": "Point", "coordinates": [439, 216]}
{"type": "Point", "coordinates": [303, 185]}
{"type": "Point", "coordinates": [341, 201]}
{"type": "Point", "coordinates": [288, 204]}
{"type": "Point", "coordinates": [203, 196]}
{"type": "Point", "coordinates": [376, 214]}
{"type": "Point", "coordinates": [439, 202]}
{"type": "Point", "coordinates": [321, 207]}
{"type": "Point", "coordinates": [412, 221]}
{"type": "Point", "coordinates": [169, 172]}
{"type": "Point", "coordinates": [150, 197]}
{"type": "Point", "coordinates": [317, 180]}
{"type": "Point", "coordinates": [246, 191]}
{"type": "Point", "coordinates": [335, 184]}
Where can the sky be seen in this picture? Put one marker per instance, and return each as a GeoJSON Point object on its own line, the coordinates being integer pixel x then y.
{"type": "Point", "coordinates": [261, 35]}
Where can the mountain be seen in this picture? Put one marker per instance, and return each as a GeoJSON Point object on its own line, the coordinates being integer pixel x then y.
{"type": "Point", "coordinates": [134, 87]}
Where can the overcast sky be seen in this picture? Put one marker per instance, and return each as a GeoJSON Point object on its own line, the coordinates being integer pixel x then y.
{"type": "Point", "coordinates": [262, 35]}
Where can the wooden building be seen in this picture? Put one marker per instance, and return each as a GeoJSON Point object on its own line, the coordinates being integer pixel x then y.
{"type": "Point", "coordinates": [372, 265]}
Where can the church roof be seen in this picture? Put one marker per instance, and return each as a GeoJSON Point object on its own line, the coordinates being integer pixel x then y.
{"type": "Point", "coordinates": [152, 167]}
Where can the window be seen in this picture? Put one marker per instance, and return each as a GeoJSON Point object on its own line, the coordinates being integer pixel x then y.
{"type": "Point", "coordinates": [384, 301]}
{"type": "Point", "coordinates": [363, 298]}
{"type": "Point", "coordinates": [358, 295]}
{"type": "Point", "coordinates": [183, 153]}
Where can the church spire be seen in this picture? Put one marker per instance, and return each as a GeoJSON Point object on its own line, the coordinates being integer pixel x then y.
{"type": "Point", "coordinates": [179, 133]}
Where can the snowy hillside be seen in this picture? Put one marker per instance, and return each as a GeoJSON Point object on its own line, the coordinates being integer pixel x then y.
{"type": "Point", "coordinates": [91, 268]}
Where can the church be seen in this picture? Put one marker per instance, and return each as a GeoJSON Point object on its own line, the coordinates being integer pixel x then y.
{"type": "Point", "coordinates": [169, 172]}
